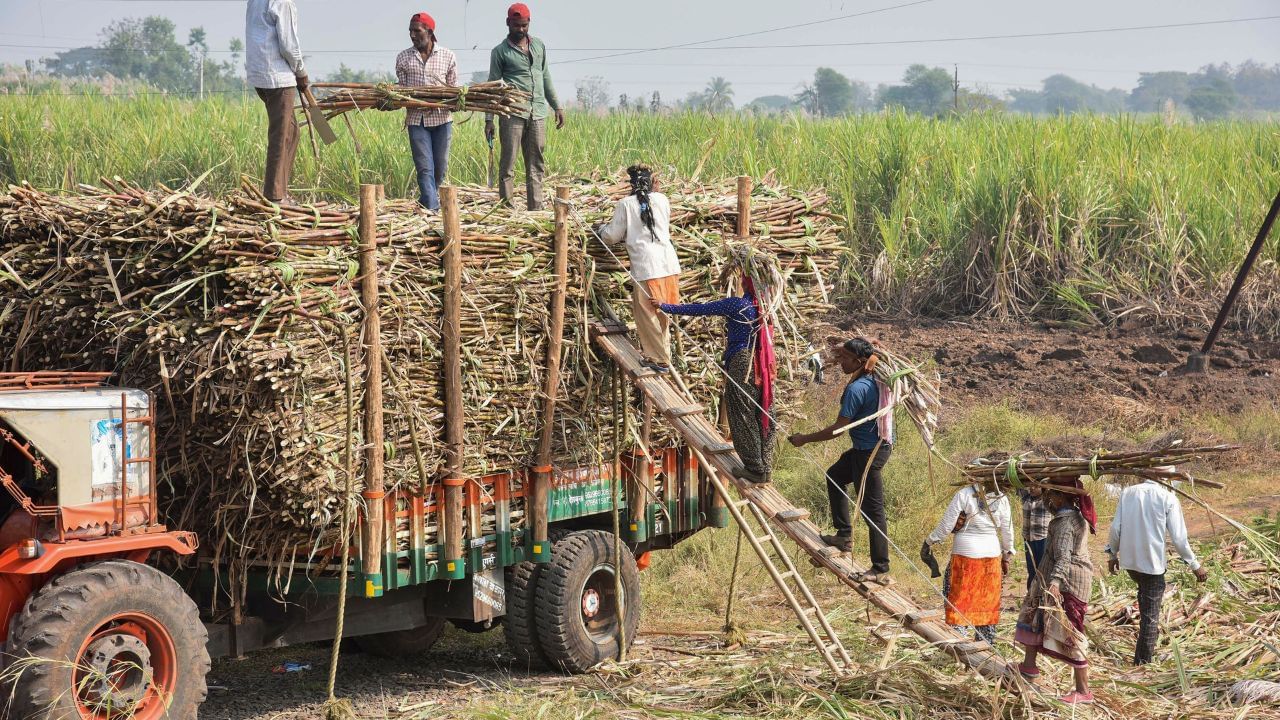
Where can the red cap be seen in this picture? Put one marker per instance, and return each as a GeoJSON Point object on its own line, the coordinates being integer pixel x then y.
{"type": "Point", "coordinates": [425, 19]}
{"type": "Point", "coordinates": [519, 11]}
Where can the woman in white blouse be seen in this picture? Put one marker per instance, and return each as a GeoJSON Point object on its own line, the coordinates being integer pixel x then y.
{"type": "Point", "coordinates": [642, 221]}
{"type": "Point", "coordinates": [982, 546]}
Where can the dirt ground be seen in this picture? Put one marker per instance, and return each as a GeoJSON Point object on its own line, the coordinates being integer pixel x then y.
{"type": "Point", "coordinates": [1085, 373]}
{"type": "Point", "coordinates": [1131, 376]}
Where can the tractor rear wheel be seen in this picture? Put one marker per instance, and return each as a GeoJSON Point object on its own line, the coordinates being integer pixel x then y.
{"type": "Point", "coordinates": [578, 607]}
{"type": "Point", "coordinates": [403, 643]}
{"type": "Point", "coordinates": [107, 640]}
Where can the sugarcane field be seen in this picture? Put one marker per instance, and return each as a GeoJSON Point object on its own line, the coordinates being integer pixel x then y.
{"type": "Point", "coordinates": [487, 360]}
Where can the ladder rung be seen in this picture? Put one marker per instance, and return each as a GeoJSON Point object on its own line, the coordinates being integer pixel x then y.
{"type": "Point", "coordinates": [912, 618]}
{"type": "Point", "coordinates": [718, 449]}
{"type": "Point", "coordinates": [678, 412]}
{"type": "Point", "coordinates": [741, 503]}
{"type": "Point", "coordinates": [791, 515]}
{"type": "Point", "coordinates": [787, 574]}
{"type": "Point", "coordinates": [811, 609]}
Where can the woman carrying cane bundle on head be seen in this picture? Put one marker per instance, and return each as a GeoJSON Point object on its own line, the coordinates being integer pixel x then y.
{"type": "Point", "coordinates": [1051, 621]}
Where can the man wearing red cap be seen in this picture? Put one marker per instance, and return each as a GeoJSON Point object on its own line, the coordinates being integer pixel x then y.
{"type": "Point", "coordinates": [427, 63]}
{"type": "Point", "coordinates": [521, 60]}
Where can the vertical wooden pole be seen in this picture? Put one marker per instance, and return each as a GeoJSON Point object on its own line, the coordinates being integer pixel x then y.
{"type": "Point", "coordinates": [644, 478]}
{"type": "Point", "coordinates": [455, 565]}
{"type": "Point", "coordinates": [540, 548]}
{"type": "Point", "coordinates": [373, 529]}
{"type": "Point", "coordinates": [744, 206]}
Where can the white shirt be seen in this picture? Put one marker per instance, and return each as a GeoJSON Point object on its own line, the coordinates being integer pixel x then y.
{"type": "Point", "coordinates": [1148, 515]}
{"type": "Point", "coordinates": [980, 538]}
{"type": "Point", "coordinates": [652, 254]}
{"type": "Point", "coordinates": [273, 57]}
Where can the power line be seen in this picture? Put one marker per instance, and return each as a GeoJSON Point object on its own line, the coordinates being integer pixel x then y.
{"type": "Point", "coordinates": [1011, 36]}
{"type": "Point", "coordinates": [617, 52]}
{"type": "Point", "coordinates": [748, 34]}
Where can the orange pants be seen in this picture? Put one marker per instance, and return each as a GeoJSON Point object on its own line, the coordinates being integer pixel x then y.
{"type": "Point", "coordinates": [653, 327]}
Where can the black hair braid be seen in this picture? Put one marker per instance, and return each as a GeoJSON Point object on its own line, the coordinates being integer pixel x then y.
{"type": "Point", "coordinates": [641, 185]}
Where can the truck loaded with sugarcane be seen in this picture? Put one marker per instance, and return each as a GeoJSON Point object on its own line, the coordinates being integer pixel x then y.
{"type": "Point", "coordinates": [236, 453]}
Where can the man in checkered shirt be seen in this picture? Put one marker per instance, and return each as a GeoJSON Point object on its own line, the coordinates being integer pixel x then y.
{"type": "Point", "coordinates": [427, 63]}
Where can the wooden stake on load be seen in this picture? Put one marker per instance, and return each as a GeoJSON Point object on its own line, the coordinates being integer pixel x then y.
{"type": "Point", "coordinates": [744, 206]}
{"type": "Point", "coordinates": [538, 512]}
{"type": "Point", "coordinates": [451, 259]}
{"type": "Point", "coordinates": [371, 537]}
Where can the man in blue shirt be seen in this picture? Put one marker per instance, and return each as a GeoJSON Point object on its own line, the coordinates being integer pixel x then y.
{"type": "Point", "coordinates": [866, 458]}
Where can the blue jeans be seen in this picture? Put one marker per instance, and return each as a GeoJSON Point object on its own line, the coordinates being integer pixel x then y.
{"type": "Point", "coordinates": [1034, 553]}
{"type": "Point", "coordinates": [431, 158]}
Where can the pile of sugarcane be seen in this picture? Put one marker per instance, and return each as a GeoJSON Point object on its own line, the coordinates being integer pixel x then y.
{"type": "Point", "coordinates": [231, 310]}
{"type": "Point", "coordinates": [497, 98]}
{"type": "Point", "coordinates": [1158, 464]}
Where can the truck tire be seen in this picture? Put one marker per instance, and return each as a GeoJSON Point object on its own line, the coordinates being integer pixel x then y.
{"type": "Point", "coordinates": [403, 643]}
{"type": "Point", "coordinates": [519, 625]}
{"type": "Point", "coordinates": [577, 607]}
{"type": "Point", "coordinates": [115, 634]}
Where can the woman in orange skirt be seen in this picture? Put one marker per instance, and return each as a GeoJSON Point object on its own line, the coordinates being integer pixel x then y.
{"type": "Point", "coordinates": [981, 524]}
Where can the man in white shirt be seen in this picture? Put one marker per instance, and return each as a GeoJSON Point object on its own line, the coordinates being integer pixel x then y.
{"type": "Point", "coordinates": [273, 66]}
{"type": "Point", "coordinates": [1147, 516]}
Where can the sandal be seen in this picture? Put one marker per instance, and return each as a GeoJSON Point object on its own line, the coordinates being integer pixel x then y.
{"type": "Point", "coordinates": [1030, 675]}
{"type": "Point", "coordinates": [880, 578]}
{"type": "Point", "coordinates": [1077, 698]}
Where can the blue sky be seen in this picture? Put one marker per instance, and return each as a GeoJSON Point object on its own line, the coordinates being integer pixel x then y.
{"type": "Point", "coordinates": [368, 34]}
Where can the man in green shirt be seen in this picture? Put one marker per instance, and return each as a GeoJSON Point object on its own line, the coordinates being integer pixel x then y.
{"type": "Point", "coordinates": [521, 60]}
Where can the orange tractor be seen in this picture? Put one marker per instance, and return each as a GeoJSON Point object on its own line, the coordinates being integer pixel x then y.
{"type": "Point", "coordinates": [90, 630]}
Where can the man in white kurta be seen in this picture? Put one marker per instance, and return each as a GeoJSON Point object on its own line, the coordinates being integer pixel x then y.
{"type": "Point", "coordinates": [1147, 516]}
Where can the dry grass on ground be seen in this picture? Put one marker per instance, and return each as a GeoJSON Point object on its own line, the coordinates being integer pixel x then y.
{"type": "Point", "coordinates": [682, 665]}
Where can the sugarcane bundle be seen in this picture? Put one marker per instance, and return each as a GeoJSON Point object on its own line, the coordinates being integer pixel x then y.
{"type": "Point", "coordinates": [497, 98]}
{"type": "Point", "coordinates": [227, 309]}
{"type": "Point", "coordinates": [914, 390]}
{"type": "Point", "coordinates": [1017, 471]}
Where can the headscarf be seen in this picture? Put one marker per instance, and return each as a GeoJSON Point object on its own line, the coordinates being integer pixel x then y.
{"type": "Point", "coordinates": [766, 361]}
{"type": "Point", "coordinates": [1081, 501]}
{"type": "Point", "coordinates": [641, 178]}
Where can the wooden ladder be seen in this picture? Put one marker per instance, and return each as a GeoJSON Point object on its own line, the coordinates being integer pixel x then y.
{"type": "Point", "coordinates": [774, 512]}
{"type": "Point", "coordinates": [788, 579]}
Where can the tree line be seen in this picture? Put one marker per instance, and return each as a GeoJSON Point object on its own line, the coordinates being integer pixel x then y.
{"type": "Point", "coordinates": [1213, 92]}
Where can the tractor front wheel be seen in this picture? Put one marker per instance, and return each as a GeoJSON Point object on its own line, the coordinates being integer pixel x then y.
{"type": "Point", "coordinates": [108, 640]}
